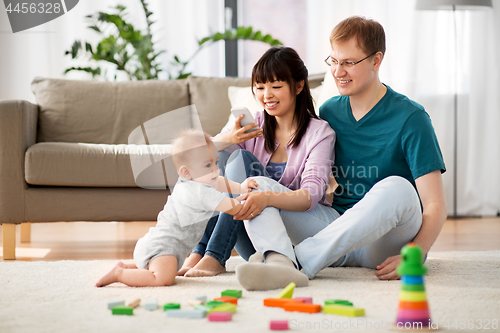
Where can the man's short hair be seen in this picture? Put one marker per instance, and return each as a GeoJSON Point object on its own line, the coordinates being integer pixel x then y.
{"type": "Point", "coordinates": [187, 146]}
{"type": "Point", "coordinates": [369, 34]}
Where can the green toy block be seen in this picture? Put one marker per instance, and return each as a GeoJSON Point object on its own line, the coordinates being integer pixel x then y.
{"type": "Point", "coordinates": [213, 304]}
{"type": "Point", "coordinates": [171, 306]}
{"type": "Point", "coordinates": [338, 301]}
{"type": "Point", "coordinates": [412, 287]}
{"type": "Point", "coordinates": [232, 293]}
{"type": "Point", "coordinates": [202, 307]}
{"type": "Point", "coordinates": [226, 307]}
{"type": "Point", "coordinates": [287, 292]}
{"type": "Point", "coordinates": [122, 310]}
{"type": "Point", "coordinates": [343, 310]}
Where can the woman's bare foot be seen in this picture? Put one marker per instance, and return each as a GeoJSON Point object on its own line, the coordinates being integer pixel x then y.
{"type": "Point", "coordinates": [111, 276]}
{"type": "Point", "coordinates": [207, 266]}
{"type": "Point", "coordinates": [189, 263]}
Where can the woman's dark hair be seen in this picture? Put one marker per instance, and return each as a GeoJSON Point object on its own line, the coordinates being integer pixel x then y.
{"type": "Point", "coordinates": [284, 64]}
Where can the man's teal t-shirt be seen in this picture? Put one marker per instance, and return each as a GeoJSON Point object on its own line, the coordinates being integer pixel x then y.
{"type": "Point", "coordinates": [395, 137]}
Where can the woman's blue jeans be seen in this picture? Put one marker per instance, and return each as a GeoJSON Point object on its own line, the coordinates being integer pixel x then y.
{"type": "Point", "coordinates": [223, 233]}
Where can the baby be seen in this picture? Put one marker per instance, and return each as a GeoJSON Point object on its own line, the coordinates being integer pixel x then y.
{"type": "Point", "coordinates": [181, 224]}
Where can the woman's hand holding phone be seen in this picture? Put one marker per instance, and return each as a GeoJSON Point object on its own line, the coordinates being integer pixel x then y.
{"type": "Point", "coordinates": [239, 134]}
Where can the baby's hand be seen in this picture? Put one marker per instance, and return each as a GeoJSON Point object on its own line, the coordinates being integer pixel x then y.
{"type": "Point", "coordinates": [248, 185]}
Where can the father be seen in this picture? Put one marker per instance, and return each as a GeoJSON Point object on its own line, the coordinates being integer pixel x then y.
{"type": "Point", "coordinates": [380, 133]}
{"type": "Point", "coordinates": [388, 168]}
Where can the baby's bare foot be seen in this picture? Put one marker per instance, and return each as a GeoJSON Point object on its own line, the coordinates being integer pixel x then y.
{"type": "Point", "coordinates": [207, 266]}
{"type": "Point", "coordinates": [111, 276]}
{"type": "Point", "coordinates": [189, 263]}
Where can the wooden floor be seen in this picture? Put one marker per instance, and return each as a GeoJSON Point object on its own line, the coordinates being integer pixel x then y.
{"type": "Point", "coordinates": [116, 240]}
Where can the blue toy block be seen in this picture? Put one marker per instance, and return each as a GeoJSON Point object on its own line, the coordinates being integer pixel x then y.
{"type": "Point", "coordinates": [112, 304]}
{"type": "Point", "coordinates": [178, 313]}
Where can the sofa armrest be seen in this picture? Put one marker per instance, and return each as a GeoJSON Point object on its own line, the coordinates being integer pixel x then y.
{"type": "Point", "coordinates": [18, 127]}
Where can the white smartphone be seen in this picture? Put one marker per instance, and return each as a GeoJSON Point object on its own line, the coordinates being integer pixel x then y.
{"type": "Point", "coordinates": [247, 120]}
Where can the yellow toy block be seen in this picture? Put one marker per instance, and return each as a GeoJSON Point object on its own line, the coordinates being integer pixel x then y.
{"type": "Point", "coordinates": [226, 307]}
{"type": "Point", "coordinates": [412, 296]}
{"type": "Point", "coordinates": [344, 310]}
{"type": "Point", "coordinates": [287, 292]}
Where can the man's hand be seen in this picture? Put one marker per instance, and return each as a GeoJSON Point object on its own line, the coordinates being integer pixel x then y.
{"type": "Point", "coordinates": [387, 269]}
{"type": "Point", "coordinates": [248, 185]}
{"type": "Point", "coordinates": [254, 204]}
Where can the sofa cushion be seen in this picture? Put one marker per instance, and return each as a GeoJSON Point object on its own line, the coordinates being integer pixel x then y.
{"type": "Point", "coordinates": [209, 94]}
{"type": "Point", "coordinates": [92, 165]}
{"type": "Point", "coordinates": [102, 112]}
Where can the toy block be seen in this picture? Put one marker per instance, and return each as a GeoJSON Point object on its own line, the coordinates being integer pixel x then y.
{"type": "Point", "coordinates": [202, 307]}
{"type": "Point", "coordinates": [227, 299]}
{"type": "Point", "coordinates": [287, 292]}
{"type": "Point", "coordinates": [413, 287]}
{"type": "Point", "coordinates": [151, 304]}
{"type": "Point", "coordinates": [112, 304]}
{"type": "Point", "coordinates": [308, 300]}
{"type": "Point", "coordinates": [303, 307]}
{"type": "Point", "coordinates": [195, 302]}
{"type": "Point", "coordinates": [412, 279]}
{"type": "Point", "coordinates": [213, 304]}
{"type": "Point", "coordinates": [413, 314]}
{"type": "Point", "coordinates": [135, 303]}
{"type": "Point", "coordinates": [122, 310]}
{"type": "Point", "coordinates": [413, 305]}
{"type": "Point", "coordinates": [338, 301]}
{"type": "Point", "coordinates": [280, 302]}
{"type": "Point", "coordinates": [232, 293]}
{"type": "Point", "coordinates": [412, 296]}
{"type": "Point", "coordinates": [203, 299]}
{"type": "Point", "coordinates": [344, 310]}
{"type": "Point", "coordinates": [171, 306]}
{"type": "Point", "coordinates": [278, 325]}
{"type": "Point", "coordinates": [178, 313]}
{"type": "Point", "coordinates": [220, 316]}
{"type": "Point", "coordinates": [226, 307]}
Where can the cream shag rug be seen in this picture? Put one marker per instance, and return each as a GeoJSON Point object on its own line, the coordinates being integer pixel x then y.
{"type": "Point", "coordinates": [463, 290]}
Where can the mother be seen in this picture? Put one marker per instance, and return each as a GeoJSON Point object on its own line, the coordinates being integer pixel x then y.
{"type": "Point", "coordinates": [294, 149]}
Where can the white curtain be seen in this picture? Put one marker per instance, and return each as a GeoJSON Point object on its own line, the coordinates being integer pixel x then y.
{"type": "Point", "coordinates": [420, 63]}
{"type": "Point", "coordinates": [40, 51]}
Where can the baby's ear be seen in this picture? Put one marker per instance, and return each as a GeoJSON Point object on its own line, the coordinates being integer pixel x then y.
{"type": "Point", "coordinates": [184, 172]}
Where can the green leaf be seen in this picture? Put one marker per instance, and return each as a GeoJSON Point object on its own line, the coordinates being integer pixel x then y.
{"type": "Point", "coordinates": [96, 28]}
{"type": "Point", "coordinates": [240, 32]}
{"type": "Point", "coordinates": [204, 40]}
{"type": "Point", "coordinates": [257, 36]}
{"type": "Point", "coordinates": [183, 76]}
{"type": "Point", "coordinates": [248, 32]}
{"type": "Point", "coordinates": [267, 39]}
{"type": "Point", "coordinates": [218, 36]}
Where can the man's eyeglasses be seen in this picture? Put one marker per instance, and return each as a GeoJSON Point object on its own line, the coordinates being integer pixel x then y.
{"type": "Point", "coordinates": [347, 64]}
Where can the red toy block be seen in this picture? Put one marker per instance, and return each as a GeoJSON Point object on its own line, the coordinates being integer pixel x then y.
{"type": "Point", "coordinates": [220, 316]}
{"type": "Point", "coordinates": [279, 325]}
{"type": "Point", "coordinates": [308, 300]}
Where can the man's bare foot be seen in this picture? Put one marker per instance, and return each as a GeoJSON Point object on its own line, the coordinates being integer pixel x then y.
{"type": "Point", "coordinates": [189, 263]}
{"type": "Point", "coordinates": [207, 266]}
{"type": "Point", "coordinates": [111, 276]}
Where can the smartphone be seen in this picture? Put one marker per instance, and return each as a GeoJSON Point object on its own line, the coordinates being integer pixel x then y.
{"type": "Point", "coordinates": [247, 120]}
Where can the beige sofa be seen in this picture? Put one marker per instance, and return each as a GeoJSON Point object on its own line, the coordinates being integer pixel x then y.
{"type": "Point", "coordinates": [68, 158]}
